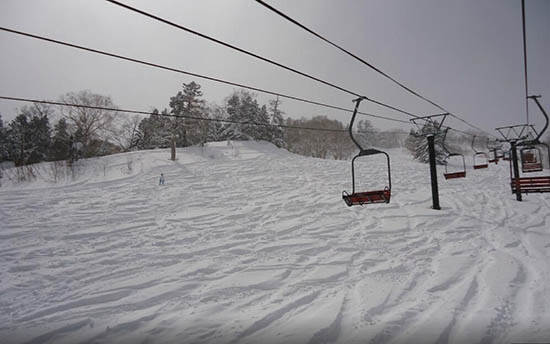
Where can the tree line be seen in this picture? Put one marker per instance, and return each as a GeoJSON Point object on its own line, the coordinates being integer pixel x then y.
{"type": "Point", "coordinates": [80, 132]}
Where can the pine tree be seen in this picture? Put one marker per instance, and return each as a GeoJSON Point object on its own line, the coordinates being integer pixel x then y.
{"type": "Point", "coordinates": [242, 107]}
{"type": "Point", "coordinates": [61, 142]}
{"type": "Point", "coordinates": [215, 128]}
{"type": "Point", "coordinates": [365, 133]}
{"type": "Point", "coordinates": [3, 141]}
{"type": "Point", "coordinates": [155, 131]}
{"type": "Point", "coordinates": [418, 144]}
{"type": "Point", "coordinates": [277, 133]}
{"type": "Point", "coordinates": [28, 135]}
{"type": "Point", "coordinates": [188, 102]}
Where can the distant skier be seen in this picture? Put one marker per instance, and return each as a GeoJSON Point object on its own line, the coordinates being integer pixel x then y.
{"type": "Point", "coordinates": [161, 180]}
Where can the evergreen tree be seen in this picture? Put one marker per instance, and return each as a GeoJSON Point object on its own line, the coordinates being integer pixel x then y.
{"type": "Point", "coordinates": [3, 141]}
{"type": "Point", "coordinates": [418, 144]}
{"type": "Point", "coordinates": [277, 133]}
{"type": "Point", "coordinates": [61, 142]}
{"type": "Point", "coordinates": [155, 131]}
{"type": "Point", "coordinates": [242, 107]}
{"type": "Point", "coordinates": [188, 102]}
{"type": "Point", "coordinates": [28, 135]}
{"type": "Point", "coordinates": [365, 133]}
{"type": "Point", "coordinates": [215, 128]}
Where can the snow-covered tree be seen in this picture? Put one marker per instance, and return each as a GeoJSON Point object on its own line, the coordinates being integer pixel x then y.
{"type": "Point", "coordinates": [243, 108]}
{"type": "Point", "coordinates": [3, 141]}
{"type": "Point", "coordinates": [155, 131]}
{"type": "Point", "coordinates": [215, 128]}
{"type": "Point", "coordinates": [277, 136]}
{"type": "Point", "coordinates": [417, 143]}
{"type": "Point", "coordinates": [28, 135]}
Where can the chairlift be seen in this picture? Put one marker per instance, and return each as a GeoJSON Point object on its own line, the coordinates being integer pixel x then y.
{"type": "Point", "coordinates": [530, 159]}
{"type": "Point", "coordinates": [480, 156]}
{"type": "Point", "coordinates": [499, 153]}
{"type": "Point", "coordinates": [456, 174]}
{"type": "Point", "coordinates": [530, 154]}
{"type": "Point", "coordinates": [365, 197]}
{"type": "Point", "coordinates": [493, 158]}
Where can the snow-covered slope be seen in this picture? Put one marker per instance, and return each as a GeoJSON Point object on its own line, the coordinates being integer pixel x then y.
{"type": "Point", "coordinates": [250, 244]}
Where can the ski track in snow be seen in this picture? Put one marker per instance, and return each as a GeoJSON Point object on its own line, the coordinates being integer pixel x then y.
{"type": "Point", "coordinates": [260, 247]}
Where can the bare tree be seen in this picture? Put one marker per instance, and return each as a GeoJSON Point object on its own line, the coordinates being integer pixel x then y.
{"type": "Point", "coordinates": [89, 126]}
{"type": "Point", "coordinates": [124, 132]}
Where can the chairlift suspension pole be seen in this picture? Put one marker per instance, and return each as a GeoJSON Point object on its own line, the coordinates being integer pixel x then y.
{"type": "Point", "coordinates": [433, 172]}
{"type": "Point", "coordinates": [515, 166]}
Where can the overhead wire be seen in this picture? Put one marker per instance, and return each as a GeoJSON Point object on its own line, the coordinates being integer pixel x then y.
{"type": "Point", "coordinates": [370, 65]}
{"type": "Point", "coordinates": [139, 112]}
{"type": "Point", "coordinates": [265, 59]}
{"type": "Point", "coordinates": [152, 113]}
{"type": "Point", "coordinates": [525, 59]}
{"type": "Point", "coordinates": [172, 69]}
{"type": "Point", "coordinates": [150, 64]}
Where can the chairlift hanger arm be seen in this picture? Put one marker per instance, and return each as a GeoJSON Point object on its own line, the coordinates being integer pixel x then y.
{"type": "Point", "coordinates": [539, 135]}
{"type": "Point", "coordinates": [357, 102]}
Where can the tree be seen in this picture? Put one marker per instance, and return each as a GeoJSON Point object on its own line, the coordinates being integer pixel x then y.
{"type": "Point", "coordinates": [154, 131]}
{"type": "Point", "coordinates": [28, 135]}
{"type": "Point", "coordinates": [61, 142]}
{"type": "Point", "coordinates": [418, 144]}
{"type": "Point", "coordinates": [125, 132]}
{"type": "Point", "coordinates": [216, 127]}
{"type": "Point", "coordinates": [365, 133]}
{"type": "Point", "coordinates": [189, 131]}
{"type": "Point", "coordinates": [277, 136]}
{"type": "Point", "coordinates": [3, 141]}
{"type": "Point", "coordinates": [93, 124]}
{"type": "Point", "coordinates": [243, 109]}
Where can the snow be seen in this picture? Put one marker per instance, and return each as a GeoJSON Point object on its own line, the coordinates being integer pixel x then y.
{"type": "Point", "coordinates": [247, 243]}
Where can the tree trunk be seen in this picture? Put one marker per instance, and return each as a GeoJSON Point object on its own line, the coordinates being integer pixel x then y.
{"type": "Point", "coordinates": [173, 155]}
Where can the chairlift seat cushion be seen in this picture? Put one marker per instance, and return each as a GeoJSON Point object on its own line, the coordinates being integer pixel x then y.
{"type": "Point", "coordinates": [369, 197]}
{"type": "Point", "coordinates": [531, 167]}
{"type": "Point", "coordinates": [454, 175]}
{"type": "Point", "coordinates": [531, 184]}
{"type": "Point", "coordinates": [477, 167]}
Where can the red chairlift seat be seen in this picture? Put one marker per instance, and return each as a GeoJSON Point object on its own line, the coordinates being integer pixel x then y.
{"type": "Point", "coordinates": [481, 165]}
{"type": "Point", "coordinates": [530, 184]}
{"type": "Point", "coordinates": [365, 197]}
{"type": "Point", "coordinates": [369, 197]}
{"type": "Point", "coordinates": [485, 163]}
{"type": "Point", "coordinates": [456, 174]}
{"type": "Point", "coordinates": [530, 159]}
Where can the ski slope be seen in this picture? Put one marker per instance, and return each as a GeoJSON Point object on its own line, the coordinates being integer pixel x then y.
{"type": "Point", "coordinates": [251, 244]}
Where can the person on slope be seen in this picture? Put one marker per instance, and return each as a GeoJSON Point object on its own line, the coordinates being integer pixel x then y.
{"type": "Point", "coordinates": [161, 180]}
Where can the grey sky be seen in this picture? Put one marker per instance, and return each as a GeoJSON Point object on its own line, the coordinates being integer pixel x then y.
{"type": "Point", "coordinates": [466, 55]}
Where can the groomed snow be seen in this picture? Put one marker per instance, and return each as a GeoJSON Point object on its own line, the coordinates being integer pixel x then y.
{"type": "Point", "coordinates": [251, 244]}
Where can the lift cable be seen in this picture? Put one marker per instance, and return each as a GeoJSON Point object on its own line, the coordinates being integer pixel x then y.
{"type": "Point", "coordinates": [363, 61]}
{"type": "Point", "coordinates": [113, 109]}
{"type": "Point", "coordinates": [265, 59]}
{"type": "Point", "coordinates": [150, 64]}
{"type": "Point", "coordinates": [525, 59]}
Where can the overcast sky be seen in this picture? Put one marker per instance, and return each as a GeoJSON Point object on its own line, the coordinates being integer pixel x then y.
{"type": "Point", "coordinates": [466, 55]}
